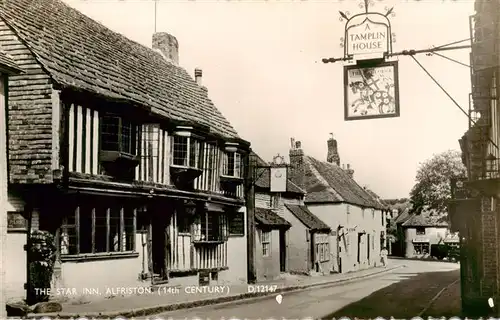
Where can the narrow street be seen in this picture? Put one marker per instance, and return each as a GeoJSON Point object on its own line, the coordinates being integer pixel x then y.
{"type": "Point", "coordinates": [316, 302]}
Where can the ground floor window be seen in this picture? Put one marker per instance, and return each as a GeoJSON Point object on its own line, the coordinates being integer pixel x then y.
{"type": "Point", "coordinates": [210, 226]}
{"type": "Point", "coordinates": [98, 230]}
{"type": "Point", "coordinates": [265, 238]}
{"type": "Point", "coordinates": [421, 248]}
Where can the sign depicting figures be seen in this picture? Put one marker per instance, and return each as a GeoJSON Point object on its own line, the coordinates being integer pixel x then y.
{"type": "Point", "coordinates": [371, 92]}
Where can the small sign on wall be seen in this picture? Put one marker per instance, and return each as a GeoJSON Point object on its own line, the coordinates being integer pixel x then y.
{"type": "Point", "coordinates": [278, 179]}
{"type": "Point", "coordinates": [371, 91]}
{"type": "Point", "coordinates": [16, 222]}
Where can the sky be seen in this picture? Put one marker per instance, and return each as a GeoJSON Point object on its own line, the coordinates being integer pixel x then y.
{"type": "Point", "coordinates": [261, 62]}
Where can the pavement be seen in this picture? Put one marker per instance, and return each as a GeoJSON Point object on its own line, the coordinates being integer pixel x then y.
{"type": "Point", "coordinates": [312, 303]}
{"type": "Point", "coordinates": [171, 300]}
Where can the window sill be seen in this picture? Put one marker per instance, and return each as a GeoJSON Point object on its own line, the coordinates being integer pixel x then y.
{"type": "Point", "coordinates": [98, 256]}
{"type": "Point", "coordinates": [231, 179]}
{"type": "Point", "coordinates": [202, 242]}
{"type": "Point", "coordinates": [113, 156]}
{"type": "Point", "coordinates": [236, 235]}
{"type": "Point", "coordinates": [179, 167]}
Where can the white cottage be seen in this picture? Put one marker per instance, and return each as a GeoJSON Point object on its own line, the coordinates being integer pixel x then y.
{"type": "Point", "coordinates": [355, 216]}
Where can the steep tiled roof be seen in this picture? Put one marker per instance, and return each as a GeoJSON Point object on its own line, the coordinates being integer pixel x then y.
{"type": "Point", "coordinates": [307, 217]}
{"type": "Point", "coordinates": [327, 182]}
{"type": "Point", "coordinates": [425, 219]}
{"type": "Point", "coordinates": [82, 54]}
{"type": "Point", "coordinates": [270, 218]}
{"type": "Point", "coordinates": [403, 216]}
{"type": "Point", "coordinates": [8, 62]}
{"type": "Point", "coordinates": [263, 176]}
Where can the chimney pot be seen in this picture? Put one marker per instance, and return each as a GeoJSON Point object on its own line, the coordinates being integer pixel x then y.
{"type": "Point", "coordinates": [198, 73]}
{"type": "Point", "coordinates": [348, 166]}
{"type": "Point", "coordinates": [298, 145]}
{"type": "Point", "coordinates": [167, 45]}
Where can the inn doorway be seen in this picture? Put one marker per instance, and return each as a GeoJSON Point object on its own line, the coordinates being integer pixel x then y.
{"type": "Point", "coordinates": [160, 245]}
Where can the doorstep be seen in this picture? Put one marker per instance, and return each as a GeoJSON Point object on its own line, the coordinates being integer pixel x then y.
{"type": "Point", "coordinates": [134, 306]}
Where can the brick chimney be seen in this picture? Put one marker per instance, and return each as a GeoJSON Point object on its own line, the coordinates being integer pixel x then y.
{"type": "Point", "coordinates": [167, 45]}
{"type": "Point", "coordinates": [349, 171]}
{"type": "Point", "coordinates": [333, 152]}
{"type": "Point", "coordinates": [198, 73]}
{"type": "Point", "coordinates": [297, 166]}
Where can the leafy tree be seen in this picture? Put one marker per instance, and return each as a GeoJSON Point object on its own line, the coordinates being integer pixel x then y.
{"type": "Point", "coordinates": [432, 189]}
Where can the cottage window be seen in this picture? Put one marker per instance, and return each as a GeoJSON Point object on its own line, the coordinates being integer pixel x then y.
{"type": "Point", "coordinates": [266, 243]}
{"type": "Point", "coordinates": [323, 249]}
{"type": "Point", "coordinates": [186, 152]}
{"type": "Point", "coordinates": [275, 201]}
{"type": "Point", "coordinates": [98, 230]}
{"type": "Point", "coordinates": [231, 165]}
{"type": "Point", "coordinates": [210, 227]}
{"type": "Point", "coordinates": [421, 248]}
{"type": "Point", "coordinates": [420, 231]}
{"type": "Point", "coordinates": [118, 134]}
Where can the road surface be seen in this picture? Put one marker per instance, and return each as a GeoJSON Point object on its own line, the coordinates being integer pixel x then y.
{"type": "Point", "coordinates": [310, 303]}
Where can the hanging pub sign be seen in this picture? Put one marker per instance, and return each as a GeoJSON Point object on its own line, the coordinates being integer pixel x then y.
{"type": "Point", "coordinates": [278, 175]}
{"type": "Point", "coordinates": [367, 36]}
{"type": "Point", "coordinates": [371, 91]}
{"type": "Point", "coordinates": [371, 88]}
{"type": "Point", "coordinates": [278, 179]}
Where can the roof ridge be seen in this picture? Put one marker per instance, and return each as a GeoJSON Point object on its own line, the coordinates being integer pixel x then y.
{"type": "Point", "coordinates": [320, 178]}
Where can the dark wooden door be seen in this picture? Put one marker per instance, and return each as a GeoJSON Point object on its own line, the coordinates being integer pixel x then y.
{"type": "Point", "coordinates": [283, 249]}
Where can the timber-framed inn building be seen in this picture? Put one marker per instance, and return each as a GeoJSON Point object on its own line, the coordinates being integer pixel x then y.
{"type": "Point", "coordinates": [120, 154]}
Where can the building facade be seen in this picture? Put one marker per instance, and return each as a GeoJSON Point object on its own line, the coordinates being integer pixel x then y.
{"type": "Point", "coordinates": [421, 232]}
{"type": "Point", "coordinates": [7, 67]}
{"type": "Point", "coordinates": [475, 213]}
{"type": "Point", "coordinates": [356, 218]}
{"type": "Point", "coordinates": [120, 154]}
{"type": "Point", "coordinates": [298, 239]}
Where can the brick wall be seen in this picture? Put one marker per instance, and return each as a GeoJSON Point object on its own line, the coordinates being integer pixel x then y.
{"type": "Point", "coordinates": [30, 114]}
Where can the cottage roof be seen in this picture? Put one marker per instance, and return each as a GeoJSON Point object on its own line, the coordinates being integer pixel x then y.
{"type": "Point", "coordinates": [377, 198]}
{"type": "Point", "coordinates": [263, 180]}
{"type": "Point", "coordinates": [403, 216]}
{"type": "Point", "coordinates": [8, 63]}
{"type": "Point", "coordinates": [327, 182]}
{"type": "Point", "coordinates": [269, 218]}
{"type": "Point", "coordinates": [307, 218]}
{"type": "Point", "coordinates": [427, 218]}
{"type": "Point", "coordinates": [82, 54]}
